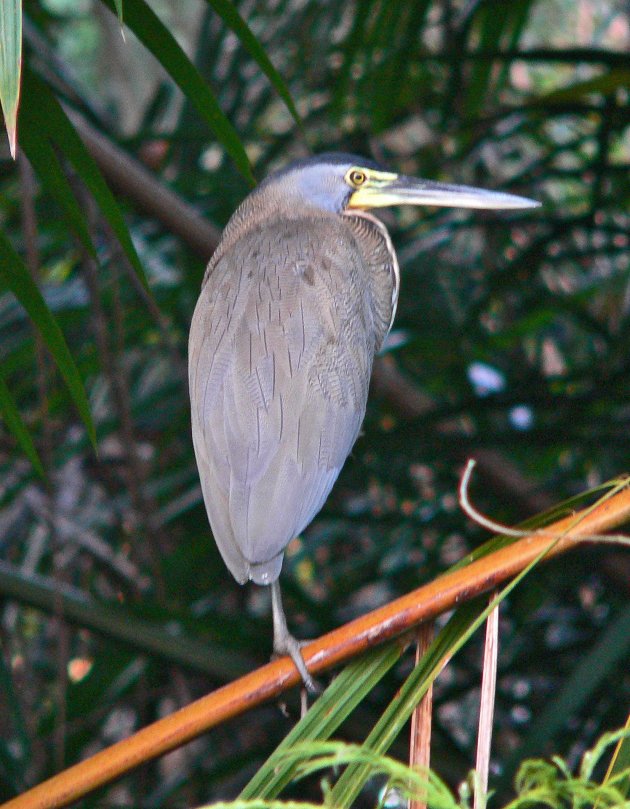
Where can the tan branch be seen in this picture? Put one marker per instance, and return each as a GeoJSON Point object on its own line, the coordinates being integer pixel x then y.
{"type": "Point", "coordinates": [333, 649]}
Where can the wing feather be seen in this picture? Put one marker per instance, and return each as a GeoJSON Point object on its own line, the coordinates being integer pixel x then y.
{"type": "Point", "coordinates": [280, 356]}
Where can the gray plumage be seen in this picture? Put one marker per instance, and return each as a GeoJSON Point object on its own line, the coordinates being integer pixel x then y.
{"type": "Point", "coordinates": [281, 349]}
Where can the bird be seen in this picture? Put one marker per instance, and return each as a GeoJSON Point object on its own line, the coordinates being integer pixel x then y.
{"type": "Point", "coordinates": [295, 303]}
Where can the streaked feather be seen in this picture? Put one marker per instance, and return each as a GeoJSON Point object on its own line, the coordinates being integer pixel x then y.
{"type": "Point", "coordinates": [281, 349]}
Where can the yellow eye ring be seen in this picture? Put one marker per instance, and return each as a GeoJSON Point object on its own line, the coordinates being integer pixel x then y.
{"type": "Point", "coordinates": [356, 177]}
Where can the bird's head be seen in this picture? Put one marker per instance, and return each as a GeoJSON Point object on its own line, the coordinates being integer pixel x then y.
{"type": "Point", "coordinates": [342, 183]}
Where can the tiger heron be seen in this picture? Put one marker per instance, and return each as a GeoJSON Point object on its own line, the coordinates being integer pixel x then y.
{"type": "Point", "coordinates": [296, 301]}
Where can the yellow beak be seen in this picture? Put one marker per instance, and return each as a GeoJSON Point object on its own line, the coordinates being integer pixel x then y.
{"type": "Point", "coordinates": [402, 190]}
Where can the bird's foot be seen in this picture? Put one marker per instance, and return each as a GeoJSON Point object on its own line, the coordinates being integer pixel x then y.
{"type": "Point", "coordinates": [283, 641]}
{"type": "Point", "coordinates": [288, 645]}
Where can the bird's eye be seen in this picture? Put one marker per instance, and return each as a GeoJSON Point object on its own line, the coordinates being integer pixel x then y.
{"type": "Point", "coordinates": [356, 177]}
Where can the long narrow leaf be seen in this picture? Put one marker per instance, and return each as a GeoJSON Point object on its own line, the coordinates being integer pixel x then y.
{"type": "Point", "coordinates": [45, 162]}
{"type": "Point", "coordinates": [491, 23]}
{"type": "Point", "coordinates": [11, 417]}
{"type": "Point", "coordinates": [156, 37]}
{"type": "Point", "coordinates": [341, 697]}
{"type": "Point", "coordinates": [450, 639]}
{"type": "Point", "coordinates": [230, 16]}
{"type": "Point", "coordinates": [10, 65]}
{"type": "Point", "coordinates": [620, 763]}
{"type": "Point", "coordinates": [41, 109]}
{"type": "Point", "coordinates": [14, 276]}
{"type": "Point", "coordinates": [460, 628]}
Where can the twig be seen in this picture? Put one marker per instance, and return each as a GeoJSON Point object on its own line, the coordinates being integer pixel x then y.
{"type": "Point", "coordinates": [477, 516]}
{"type": "Point", "coordinates": [499, 528]}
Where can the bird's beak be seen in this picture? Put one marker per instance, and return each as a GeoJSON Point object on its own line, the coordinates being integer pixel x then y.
{"type": "Point", "coordinates": [402, 190]}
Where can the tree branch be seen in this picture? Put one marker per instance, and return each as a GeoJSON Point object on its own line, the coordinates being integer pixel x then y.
{"type": "Point", "coordinates": [333, 649]}
{"type": "Point", "coordinates": [130, 178]}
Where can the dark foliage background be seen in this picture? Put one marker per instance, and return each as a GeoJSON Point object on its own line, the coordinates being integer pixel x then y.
{"type": "Point", "coordinates": [510, 345]}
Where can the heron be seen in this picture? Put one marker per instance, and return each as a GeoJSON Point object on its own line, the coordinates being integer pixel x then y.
{"type": "Point", "coordinates": [296, 301]}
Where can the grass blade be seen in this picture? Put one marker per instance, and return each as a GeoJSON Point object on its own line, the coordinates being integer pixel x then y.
{"type": "Point", "coordinates": [14, 275]}
{"type": "Point", "coordinates": [459, 629]}
{"type": "Point", "coordinates": [10, 65]}
{"type": "Point", "coordinates": [486, 708]}
{"type": "Point", "coordinates": [13, 420]}
{"type": "Point", "coordinates": [619, 768]}
{"type": "Point", "coordinates": [40, 109]}
{"type": "Point", "coordinates": [43, 158]}
{"type": "Point", "coordinates": [341, 697]}
{"type": "Point", "coordinates": [230, 16]}
{"type": "Point", "coordinates": [421, 720]}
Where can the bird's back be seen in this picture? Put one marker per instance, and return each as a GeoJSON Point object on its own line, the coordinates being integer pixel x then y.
{"type": "Point", "coordinates": [280, 356]}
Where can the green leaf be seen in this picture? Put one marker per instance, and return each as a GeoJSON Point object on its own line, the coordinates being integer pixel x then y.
{"type": "Point", "coordinates": [41, 110]}
{"type": "Point", "coordinates": [493, 24]}
{"type": "Point", "coordinates": [619, 769]}
{"type": "Point", "coordinates": [449, 640]}
{"type": "Point", "coordinates": [15, 276]}
{"type": "Point", "coordinates": [154, 35]}
{"type": "Point", "coordinates": [230, 16]}
{"type": "Point", "coordinates": [11, 417]}
{"type": "Point", "coordinates": [607, 84]}
{"type": "Point", "coordinates": [119, 10]}
{"type": "Point", "coordinates": [407, 782]}
{"type": "Point", "coordinates": [341, 697]}
{"type": "Point", "coordinates": [43, 158]}
{"type": "Point", "coordinates": [10, 65]}
{"type": "Point", "coordinates": [461, 626]}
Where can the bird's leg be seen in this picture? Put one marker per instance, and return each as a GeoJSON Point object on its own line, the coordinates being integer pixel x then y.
{"type": "Point", "coordinates": [283, 641]}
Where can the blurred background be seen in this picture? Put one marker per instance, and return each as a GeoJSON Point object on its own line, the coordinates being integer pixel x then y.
{"type": "Point", "coordinates": [510, 346]}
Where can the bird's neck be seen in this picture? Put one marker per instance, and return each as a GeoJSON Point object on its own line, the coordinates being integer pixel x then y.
{"type": "Point", "coordinates": [260, 210]}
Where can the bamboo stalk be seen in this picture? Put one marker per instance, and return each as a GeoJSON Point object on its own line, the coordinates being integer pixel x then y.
{"type": "Point", "coordinates": [339, 646]}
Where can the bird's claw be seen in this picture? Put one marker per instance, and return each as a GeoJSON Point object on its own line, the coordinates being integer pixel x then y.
{"type": "Point", "coordinates": [288, 645]}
